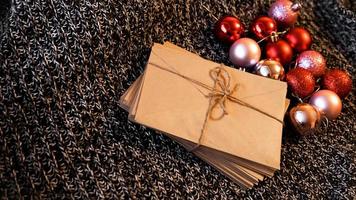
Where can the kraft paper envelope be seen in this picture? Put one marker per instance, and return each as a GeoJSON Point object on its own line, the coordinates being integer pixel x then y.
{"type": "Point", "coordinates": [173, 45]}
{"type": "Point", "coordinates": [174, 105]}
{"type": "Point", "coordinates": [232, 169]}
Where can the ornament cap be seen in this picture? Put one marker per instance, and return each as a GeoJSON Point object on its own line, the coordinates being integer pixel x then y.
{"type": "Point", "coordinates": [274, 36]}
{"type": "Point", "coordinates": [296, 6]}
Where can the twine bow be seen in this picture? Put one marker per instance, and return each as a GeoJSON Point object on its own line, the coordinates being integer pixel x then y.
{"type": "Point", "coordinates": [219, 95]}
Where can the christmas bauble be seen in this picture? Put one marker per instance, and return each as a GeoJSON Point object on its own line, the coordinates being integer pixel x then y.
{"type": "Point", "coordinates": [305, 118]}
{"type": "Point", "coordinates": [263, 27]}
{"type": "Point", "coordinates": [337, 81]}
{"type": "Point", "coordinates": [284, 12]}
{"type": "Point", "coordinates": [245, 52]}
{"type": "Point", "coordinates": [228, 29]}
{"type": "Point", "coordinates": [280, 51]}
{"type": "Point", "coordinates": [299, 39]}
{"type": "Point", "coordinates": [301, 82]}
{"type": "Point", "coordinates": [312, 61]}
{"type": "Point", "coordinates": [328, 103]}
{"type": "Point", "coordinates": [270, 68]}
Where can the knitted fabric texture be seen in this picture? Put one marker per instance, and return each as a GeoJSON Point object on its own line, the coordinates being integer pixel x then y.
{"type": "Point", "coordinates": [64, 65]}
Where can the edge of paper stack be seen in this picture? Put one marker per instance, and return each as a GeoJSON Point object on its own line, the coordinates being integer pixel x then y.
{"type": "Point", "coordinates": [239, 168]}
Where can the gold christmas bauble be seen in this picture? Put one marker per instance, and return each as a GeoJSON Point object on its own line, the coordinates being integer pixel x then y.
{"type": "Point", "coordinates": [305, 118]}
{"type": "Point", "coordinates": [270, 68]}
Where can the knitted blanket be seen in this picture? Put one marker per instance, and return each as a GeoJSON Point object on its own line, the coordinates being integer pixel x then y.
{"type": "Point", "coordinates": [65, 63]}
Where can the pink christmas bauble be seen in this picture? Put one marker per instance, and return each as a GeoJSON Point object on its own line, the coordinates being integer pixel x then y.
{"type": "Point", "coordinates": [284, 12]}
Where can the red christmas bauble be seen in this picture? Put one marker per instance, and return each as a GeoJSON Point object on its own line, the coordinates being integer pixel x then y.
{"type": "Point", "coordinates": [312, 61]}
{"type": "Point", "coordinates": [299, 39]}
{"type": "Point", "coordinates": [263, 27]}
{"type": "Point", "coordinates": [337, 81]}
{"type": "Point", "coordinates": [280, 51]}
{"type": "Point", "coordinates": [228, 29]}
{"type": "Point", "coordinates": [301, 82]}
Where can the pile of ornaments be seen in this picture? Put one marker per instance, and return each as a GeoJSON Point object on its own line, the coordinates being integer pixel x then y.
{"type": "Point", "coordinates": [308, 71]}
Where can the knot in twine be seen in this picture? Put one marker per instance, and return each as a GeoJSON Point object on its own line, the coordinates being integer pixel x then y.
{"type": "Point", "coordinates": [221, 92]}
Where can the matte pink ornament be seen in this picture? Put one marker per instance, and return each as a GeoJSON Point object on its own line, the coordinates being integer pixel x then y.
{"type": "Point", "coordinates": [284, 12]}
{"type": "Point", "coordinates": [327, 102]}
{"type": "Point", "coordinates": [245, 52]}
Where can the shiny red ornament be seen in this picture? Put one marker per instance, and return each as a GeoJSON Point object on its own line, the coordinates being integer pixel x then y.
{"type": "Point", "coordinates": [301, 82]}
{"type": "Point", "coordinates": [299, 39]}
{"type": "Point", "coordinates": [228, 29]}
{"type": "Point", "coordinates": [337, 81]}
{"type": "Point", "coordinates": [280, 51]}
{"type": "Point", "coordinates": [263, 27]}
{"type": "Point", "coordinates": [312, 61]}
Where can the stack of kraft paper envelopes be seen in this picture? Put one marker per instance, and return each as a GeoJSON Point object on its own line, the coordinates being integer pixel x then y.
{"type": "Point", "coordinates": [231, 119]}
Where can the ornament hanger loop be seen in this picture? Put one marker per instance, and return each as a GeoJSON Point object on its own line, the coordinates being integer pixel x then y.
{"type": "Point", "coordinates": [298, 98]}
{"type": "Point", "coordinates": [274, 36]}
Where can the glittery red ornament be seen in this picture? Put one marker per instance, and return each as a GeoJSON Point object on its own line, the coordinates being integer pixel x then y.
{"type": "Point", "coordinates": [284, 12]}
{"type": "Point", "coordinates": [299, 39]}
{"type": "Point", "coordinates": [228, 29]}
{"type": "Point", "coordinates": [312, 61]}
{"type": "Point", "coordinates": [263, 27]}
{"type": "Point", "coordinates": [337, 81]}
{"type": "Point", "coordinates": [280, 51]}
{"type": "Point", "coordinates": [301, 82]}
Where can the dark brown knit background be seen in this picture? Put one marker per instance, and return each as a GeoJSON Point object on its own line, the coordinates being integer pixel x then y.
{"type": "Point", "coordinates": [65, 63]}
